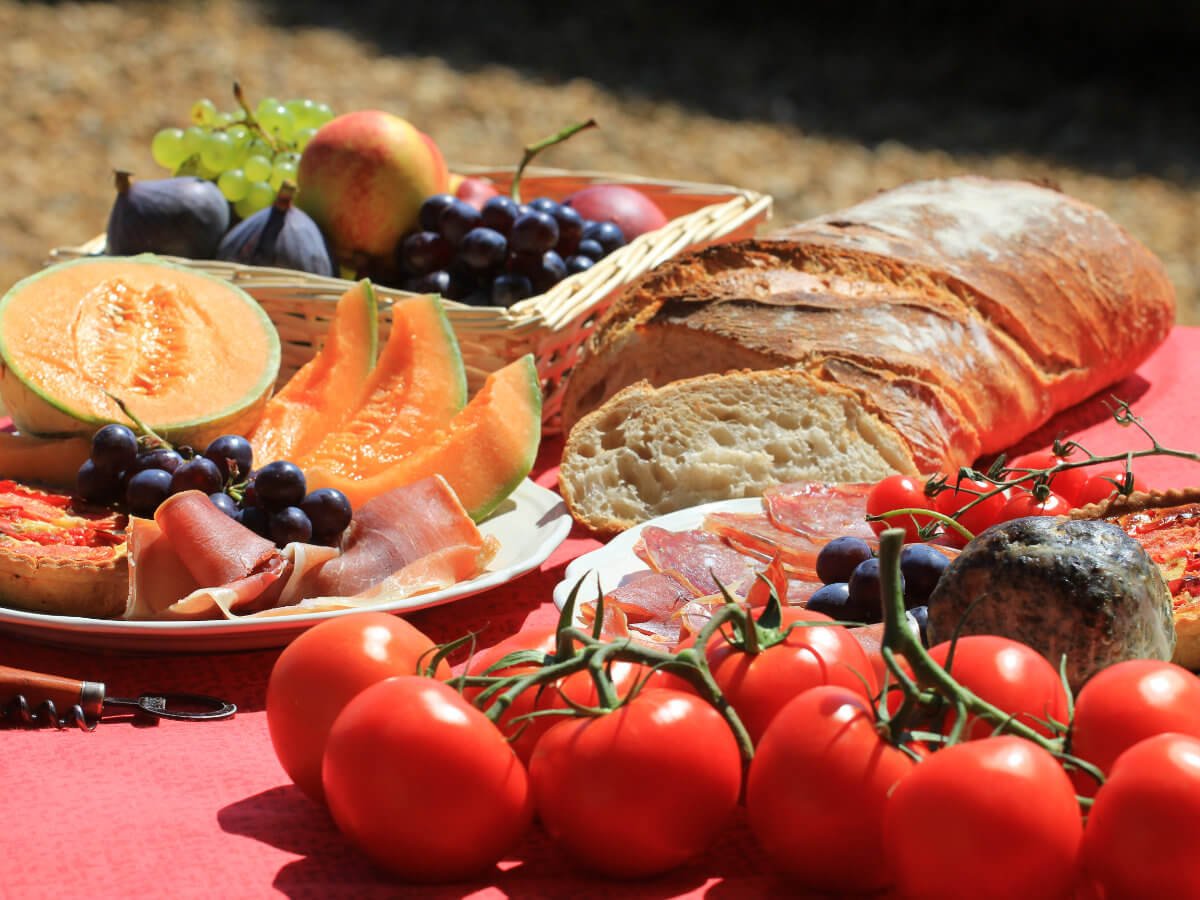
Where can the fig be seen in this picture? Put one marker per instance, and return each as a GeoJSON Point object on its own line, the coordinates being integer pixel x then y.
{"type": "Point", "coordinates": [182, 216]}
{"type": "Point", "coordinates": [282, 235]}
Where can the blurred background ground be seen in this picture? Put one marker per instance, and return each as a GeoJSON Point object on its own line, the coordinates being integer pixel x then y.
{"type": "Point", "coordinates": [818, 107]}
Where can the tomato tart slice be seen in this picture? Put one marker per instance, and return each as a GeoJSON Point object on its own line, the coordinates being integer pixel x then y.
{"type": "Point", "coordinates": [59, 555]}
{"type": "Point", "coordinates": [1167, 525]}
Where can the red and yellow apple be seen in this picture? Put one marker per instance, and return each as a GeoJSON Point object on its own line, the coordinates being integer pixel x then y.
{"type": "Point", "coordinates": [627, 207]}
{"type": "Point", "coordinates": [363, 177]}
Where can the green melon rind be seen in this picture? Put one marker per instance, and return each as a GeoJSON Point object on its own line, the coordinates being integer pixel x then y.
{"type": "Point", "coordinates": [36, 413]}
{"type": "Point", "coordinates": [451, 347]}
{"type": "Point", "coordinates": [522, 465]}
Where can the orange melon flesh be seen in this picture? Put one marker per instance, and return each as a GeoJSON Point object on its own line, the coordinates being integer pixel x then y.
{"type": "Point", "coordinates": [314, 399]}
{"type": "Point", "coordinates": [484, 453]}
{"type": "Point", "coordinates": [192, 356]}
{"type": "Point", "coordinates": [416, 388]}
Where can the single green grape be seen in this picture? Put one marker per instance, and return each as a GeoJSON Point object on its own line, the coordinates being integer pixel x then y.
{"type": "Point", "coordinates": [283, 170]}
{"type": "Point", "coordinates": [193, 139]}
{"type": "Point", "coordinates": [324, 113]}
{"type": "Point", "coordinates": [257, 167]}
{"type": "Point", "coordinates": [303, 136]}
{"type": "Point", "coordinates": [259, 195]}
{"type": "Point", "coordinates": [167, 148]}
{"type": "Point", "coordinates": [218, 151]}
{"type": "Point", "coordinates": [222, 120]}
{"type": "Point", "coordinates": [278, 122]}
{"type": "Point", "coordinates": [304, 111]}
{"type": "Point", "coordinates": [204, 112]}
{"type": "Point", "coordinates": [259, 147]}
{"type": "Point", "coordinates": [233, 184]}
{"type": "Point", "coordinates": [264, 103]}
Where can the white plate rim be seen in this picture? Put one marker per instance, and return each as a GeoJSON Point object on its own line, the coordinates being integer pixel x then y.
{"type": "Point", "coordinates": [530, 525]}
{"type": "Point", "coordinates": [616, 559]}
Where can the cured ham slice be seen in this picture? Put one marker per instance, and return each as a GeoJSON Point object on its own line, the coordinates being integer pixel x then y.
{"type": "Point", "coordinates": [698, 560]}
{"type": "Point", "coordinates": [219, 549]}
{"type": "Point", "coordinates": [820, 511]}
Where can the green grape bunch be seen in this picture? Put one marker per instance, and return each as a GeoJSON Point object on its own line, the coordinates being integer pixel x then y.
{"type": "Point", "coordinates": [248, 152]}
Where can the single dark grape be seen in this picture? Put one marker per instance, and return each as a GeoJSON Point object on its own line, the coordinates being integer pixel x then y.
{"type": "Point", "coordinates": [224, 503]}
{"type": "Point", "coordinates": [591, 249]}
{"type": "Point", "coordinates": [114, 447]}
{"type": "Point", "coordinates": [290, 524]}
{"type": "Point", "coordinates": [197, 474]}
{"type": "Point", "coordinates": [463, 281]}
{"type": "Point", "coordinates": [922, 566]}
{"type": "Point", "coordinates": [837, 559]}
{"type": "Point", "coordinates": [607, 234]}
{"type": "Point", "coordinates": [570, 230]}
{"type": "Point", "coordinates": [919, 616]}
{"type": "Point", "coordinates": [831, 599]}
{"type": "Point", "coordinates": [534, 232]}
{"type": "Point", "coordinates": [510, 287]}
{"type": "Point", "coordinates": [328, 509]}
{"type": "Point", "coordinates": [146, 490]}
{"type": "Point", "coordinates": [482, 248]}
{"type": "Point", "coordinates": [233, 455]}
{"type": "Point", "coordinates": [499, 213]}
{"type": "Point", "coordinates": [256, 519]}
{"type": "Point", "coordinates": [430, 283]}
{"type": "Point", "coordinates": [432, 209]}
{"type": "Point", "coordinates": [481, 296]}
{"type": "Point", "coordinates": [425, 251]}
{"type": "Point", "coordinates": [544, 204]}
{"type": "Point", "coordinates": [97, 485]}
{"type": "Point", "coordinates": [865, 603]}
{"type": "Point", "coordinates": [159, 458]}
{"type": "Point", "coordinates": [457, 219]}
{"type": "Point", "coordinates": [551, 271]}
{"type": "Point", "coordinates": [279, 484]}
{"type": "Point", "coordinates": [579, 263]}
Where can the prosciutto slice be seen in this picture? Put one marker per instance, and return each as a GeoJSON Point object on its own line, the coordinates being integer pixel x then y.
{"type": "Point", "coordinates": [820, 511]}
{"type": "Point", "coordinates": [697, 559]}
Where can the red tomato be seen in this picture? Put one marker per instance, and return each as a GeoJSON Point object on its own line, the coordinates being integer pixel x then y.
{"type": "Point", "coordinates": [759, 685]}
{"type": "Point", "coordinates": [989, 818]}
{"type": "Point", "coordinates": [319, 672]}
{"type": "Point", "coordinates": [899, 492]}
{"type": "Point", "coordinates": [1067, 483]}
{"type": "Point", "coordinates": [640, 790]}
{"type": "Point", "coordinates": [1023, 503]}
{"type": "Point", "coordinates": [822, 761]}
{"type": "Point", "coordinates": [423, 782]}
{"type": "Point", "coordinates": [1128, 702]}
{"type": "Point", "coordinates": [1140, 839]}
{"type": "Point", "coordinates": [1099, 485]}
{"type": "Point", "coordinates": [983, 515]}
{"type": "Point", "coordinates": [1009, 675]}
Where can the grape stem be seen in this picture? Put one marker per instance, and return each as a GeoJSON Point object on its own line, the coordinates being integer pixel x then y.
{"type": "Point", "coordinates": [533, 150]}
{"type": "Point", "coordinates": [250, 121]}
{"type": "Point", "coordinates": [155, 440]}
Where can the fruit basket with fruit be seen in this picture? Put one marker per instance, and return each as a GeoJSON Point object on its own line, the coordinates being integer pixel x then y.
{"type": "Point", "coordinates": [316, 219]}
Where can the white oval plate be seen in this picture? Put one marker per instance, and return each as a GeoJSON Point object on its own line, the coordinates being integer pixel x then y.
{"type": "Point", "coordinates": [616, 561]}
{"type": "Point", "coordinates": [530, 525]}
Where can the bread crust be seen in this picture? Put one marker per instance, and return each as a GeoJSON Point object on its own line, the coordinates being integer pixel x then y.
{"type": "Point", "coordinates": [1008, 300]}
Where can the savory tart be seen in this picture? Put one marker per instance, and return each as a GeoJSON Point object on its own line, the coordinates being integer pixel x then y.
{"type": "Point", "coordinates": [59, 555]}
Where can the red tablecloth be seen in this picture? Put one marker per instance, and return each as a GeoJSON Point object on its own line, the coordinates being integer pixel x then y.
{"type": "Point", "coordinates": [203, 809]}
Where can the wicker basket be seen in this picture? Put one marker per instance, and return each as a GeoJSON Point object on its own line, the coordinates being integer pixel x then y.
{"type": "Point", "coordinates": [551, 326]}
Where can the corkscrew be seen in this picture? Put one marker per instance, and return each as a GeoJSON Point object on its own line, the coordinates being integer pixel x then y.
{"type": "Point", "coordinates": [32, 699]}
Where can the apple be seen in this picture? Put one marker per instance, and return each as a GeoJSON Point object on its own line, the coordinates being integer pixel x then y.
{"type": "Point", "coordinates": [362, 178]}
{"type": "Point", "coordinates": [631, 210]}
{"type": "Point", "coordinates": [475, 190]}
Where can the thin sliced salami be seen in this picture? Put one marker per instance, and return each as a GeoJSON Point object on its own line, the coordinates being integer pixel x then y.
{"type": "Point", "coordinates": [820, 511]}
{"type": "Point", "coordinates": [698, 560]}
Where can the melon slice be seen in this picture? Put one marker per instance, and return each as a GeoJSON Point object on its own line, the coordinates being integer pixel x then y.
{"type": "Point", "coordinates": [416, 388]}
{"type": "Point", "coordinates": [192, 356]}
{"type": "Point", "coordinates": [314, 399]}
{"type": "Point", "coordinates": [484, 453]}
{"type": "Point", "coordinates": [46, 461]}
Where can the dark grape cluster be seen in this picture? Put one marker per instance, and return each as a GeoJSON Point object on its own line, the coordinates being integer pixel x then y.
{"type": "Point", "coordinates": [849, 571]}
{"type": "Point", "coordinates": [273, 501]}
{"type": "Point", "coordinates": [501, 253]}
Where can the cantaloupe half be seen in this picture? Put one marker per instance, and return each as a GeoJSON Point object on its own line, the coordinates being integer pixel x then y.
{"type": "Point", "coordinates": [317, 398]}
{"type": "Point", "coordinates": [484, 453]}
{"type": "Point", "coordinates": [192, 356]}
{"type": "Point", "coordinates": [416, 388]}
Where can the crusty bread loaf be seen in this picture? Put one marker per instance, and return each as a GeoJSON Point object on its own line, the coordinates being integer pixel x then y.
{"type": "Point", "coordinates": [959, 314]}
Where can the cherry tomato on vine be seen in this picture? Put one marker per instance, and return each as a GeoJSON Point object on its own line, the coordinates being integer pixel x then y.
{"type": "Point", "coordinates": [1009, 675]}
{"type": "Point", "coordinates": [640, 790]}
{"type": "Point", "coordinates": [1067, 483]}
{"type": "Point", "coordinates": [1023, 503]}
{"type": "Point", "coordinates": [759, 685]}
{"type": "Point", "coordinates": [899, 492]}
{"type": "Point", "coordinates": [994, 818]}
{"type": "Point", "coordinates": [1100, 486]}
{"type": "Point", "coordinates": [423, 782]}
{"type": "Point", "coordinates": [1128, 702]}
{"type": "Point", "coordinates": [319, 672]}
{"type": "Point", "coordinates": [1140, 836]}
{"type": "Point", "coordinates": [816, 791]}
{"type": "Point", "coordinates": [983, 515]}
